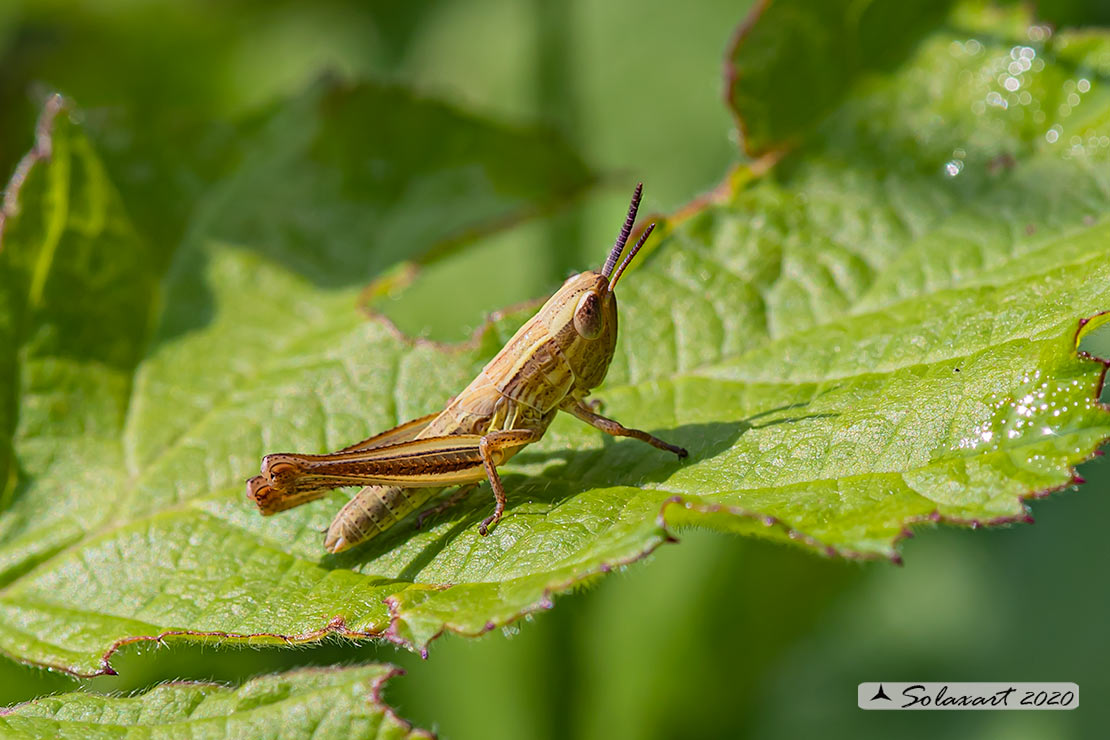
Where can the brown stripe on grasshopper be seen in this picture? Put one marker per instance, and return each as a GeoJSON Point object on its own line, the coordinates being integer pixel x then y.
{"type": "Point", "coordinates": [551, 364]}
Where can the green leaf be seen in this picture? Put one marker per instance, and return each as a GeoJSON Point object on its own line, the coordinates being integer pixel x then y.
{"type": "Point", "coordinates": [792, 61]}
{"type": "Point", "coordinates": [879, 332]}
{"type": "Point", "coordinates": [103, 414]}
{"type": "Point", "coordinates": [315, 703]}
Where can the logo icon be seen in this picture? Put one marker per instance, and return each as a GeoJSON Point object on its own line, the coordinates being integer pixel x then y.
{"type": "Point", "coordinates": [880, 694]}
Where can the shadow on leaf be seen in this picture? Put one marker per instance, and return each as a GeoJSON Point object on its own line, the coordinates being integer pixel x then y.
{"type": "Point", "coordinates": [570, 473]}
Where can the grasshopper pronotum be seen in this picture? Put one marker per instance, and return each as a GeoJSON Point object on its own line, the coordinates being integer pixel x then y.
{"type": "Point", "coordinates": [551, 364]}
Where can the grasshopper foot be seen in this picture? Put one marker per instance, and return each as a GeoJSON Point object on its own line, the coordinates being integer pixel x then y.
{"type": "Point", "coordinates": [489, 521]}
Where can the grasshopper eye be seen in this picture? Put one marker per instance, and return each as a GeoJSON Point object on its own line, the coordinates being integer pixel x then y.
{"type": "Point", "coordinates": [587, 316]}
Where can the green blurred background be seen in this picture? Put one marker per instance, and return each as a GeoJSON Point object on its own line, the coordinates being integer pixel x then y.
{"type": "Point", "coordinates": [716, 636]}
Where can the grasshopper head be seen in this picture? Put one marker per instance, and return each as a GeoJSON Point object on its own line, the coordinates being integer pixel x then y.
{"type": "Point", "coordinates": [582, 315]}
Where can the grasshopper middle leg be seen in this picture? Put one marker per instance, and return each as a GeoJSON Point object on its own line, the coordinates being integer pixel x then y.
{"type": "Point", "coordinates": [447, 503]}
{"type": "Point", "coordinates": [492, 446]}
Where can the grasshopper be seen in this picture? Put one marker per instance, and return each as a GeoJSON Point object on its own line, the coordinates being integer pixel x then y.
{"type": "Point", "coordinates": [551, 364]}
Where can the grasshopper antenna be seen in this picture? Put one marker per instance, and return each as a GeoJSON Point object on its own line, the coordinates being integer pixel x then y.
{"type": "Point", "coordinates": [631, 253]}
{"type": "Point", "coordinates": [626, 231]}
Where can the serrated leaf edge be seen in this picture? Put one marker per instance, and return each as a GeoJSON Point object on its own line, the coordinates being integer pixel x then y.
{"type": "Point", "coordinates": [375, 698]}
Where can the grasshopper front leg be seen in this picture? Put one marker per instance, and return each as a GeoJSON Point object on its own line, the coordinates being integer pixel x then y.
{"type": "Point", "coordinates": [579, 410]}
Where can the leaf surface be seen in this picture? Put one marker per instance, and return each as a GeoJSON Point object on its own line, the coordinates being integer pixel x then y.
{"type": "Point", "coordinates": [879, 332]}
{"type": "Point", "coordinates": [791, 62]}
{"type": "Point", "coordinates": [312, 703]}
